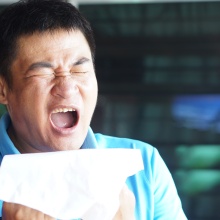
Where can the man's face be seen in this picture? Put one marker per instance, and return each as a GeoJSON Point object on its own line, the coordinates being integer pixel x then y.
{"type": "Point", "coordinates": [54, 91]}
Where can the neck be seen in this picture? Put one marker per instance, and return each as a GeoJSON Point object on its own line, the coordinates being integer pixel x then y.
{"type": "Point", "coordinates": [17, 141]}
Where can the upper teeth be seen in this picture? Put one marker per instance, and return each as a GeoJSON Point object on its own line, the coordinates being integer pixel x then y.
{"type": "Point", "coordinates": [63, 110]}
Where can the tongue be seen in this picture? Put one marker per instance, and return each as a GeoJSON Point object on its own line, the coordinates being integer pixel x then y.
{"type": "Point", "coordinates": [63, 120]}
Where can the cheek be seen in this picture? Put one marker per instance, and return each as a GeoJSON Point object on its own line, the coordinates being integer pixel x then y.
{"type": "Point", "coordinates": [92, 91]}
{"type": "Point", "coordinates": [37, 91]}
{"type": "Point", "coordinates": [92, 84]}
{"type": "Point", "coordinates": [27, 97]}
{"type": "Point", "coordinates": [89, 92]}
{"type": "Point", "coordinates": [92, 102]}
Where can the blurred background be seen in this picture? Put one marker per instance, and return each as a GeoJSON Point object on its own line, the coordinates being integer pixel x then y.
{"type": "Point", "coordinates": [158, 67]}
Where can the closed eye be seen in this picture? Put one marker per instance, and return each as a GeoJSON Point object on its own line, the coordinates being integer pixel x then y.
{"type": "Point", "coordinates": [79, 72]}
{"type": "Point", "coordinates": [40, 73]}
{"type": "Point", "coordinates": [41, 69]}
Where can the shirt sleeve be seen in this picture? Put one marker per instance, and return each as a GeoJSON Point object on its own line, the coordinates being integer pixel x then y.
{"type": "Point", "coordinates": [167, 204]}
{"type": "Point", "coordinates": [1, 203]}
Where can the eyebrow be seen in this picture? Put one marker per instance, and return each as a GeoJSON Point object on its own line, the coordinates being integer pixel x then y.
{"type": "Point", "coordinates": [44, 64]}
{"type": "Point", "coordinates": [81, 61]}
{"type": "Point", "coordinates": [40, 65]}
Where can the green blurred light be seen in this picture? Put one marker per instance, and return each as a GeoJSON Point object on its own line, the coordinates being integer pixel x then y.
{"type": "Point", "coordinates": [198, 156]}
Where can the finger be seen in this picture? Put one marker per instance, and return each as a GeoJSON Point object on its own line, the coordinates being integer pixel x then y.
{"type": "Point", "coordinates": [47, 217]}
{"type": "Point", "coordinates": [12, 211]}
{"type": "Point", "coordinates": [127, 205]}
{"type": "Point", "coordinates": [127, 200]}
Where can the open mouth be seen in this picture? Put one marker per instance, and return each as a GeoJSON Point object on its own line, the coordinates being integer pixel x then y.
{"type": "Point", "coordinates": [64, 117]}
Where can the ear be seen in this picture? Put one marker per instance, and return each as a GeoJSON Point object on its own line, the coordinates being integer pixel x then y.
{"type": "Point", "coordinates": [3, 91]}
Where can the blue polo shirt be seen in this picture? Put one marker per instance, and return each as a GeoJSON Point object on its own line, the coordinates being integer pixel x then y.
{"type": "Point", "coordinates": [153, 188]}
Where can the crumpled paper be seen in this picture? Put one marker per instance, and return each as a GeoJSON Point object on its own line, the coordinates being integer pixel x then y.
{"type": "Point", "coordinates": [70, 184]}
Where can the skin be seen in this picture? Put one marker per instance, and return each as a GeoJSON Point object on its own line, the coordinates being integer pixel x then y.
{"type": "Point", "coordinates": [14, 211]}
{"type": "Point", "coordinates": [51, 71]}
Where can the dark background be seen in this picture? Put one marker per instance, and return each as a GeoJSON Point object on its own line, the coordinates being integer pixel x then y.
{"type": "Point", "coordinates": [158, 70]}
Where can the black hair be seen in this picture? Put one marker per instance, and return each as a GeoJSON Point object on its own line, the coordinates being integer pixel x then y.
{"type": "Point", "coordinates": [29, 16]}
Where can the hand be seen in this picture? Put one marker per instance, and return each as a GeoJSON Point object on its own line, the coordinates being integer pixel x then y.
{"type": "Point", "coordinates": [127, 205]}
{"type": "Point", "coordinates": [12, 211]}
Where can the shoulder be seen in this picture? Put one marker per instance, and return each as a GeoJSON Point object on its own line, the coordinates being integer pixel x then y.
{"type": "Point", "coordinates": [105, 141]}
{"type": "Point", "coordinates": [149, 153]}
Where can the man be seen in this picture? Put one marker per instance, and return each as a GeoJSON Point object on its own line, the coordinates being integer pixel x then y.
{"type": "Point", "coordinates": [48, 84]}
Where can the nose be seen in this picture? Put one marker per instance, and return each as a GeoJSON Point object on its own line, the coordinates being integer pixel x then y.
{"type": "Point", "coordinates": [65, 86]}
{"type": "Point", "coordinates": [62, 73]}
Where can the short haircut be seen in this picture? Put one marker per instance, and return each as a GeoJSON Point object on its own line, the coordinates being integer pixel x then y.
{"type": "Point", "coordinates": [29, 16]}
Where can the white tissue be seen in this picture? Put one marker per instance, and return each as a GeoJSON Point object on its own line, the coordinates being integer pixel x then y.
{"type": "Point", "coordinates": [69, 184]}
